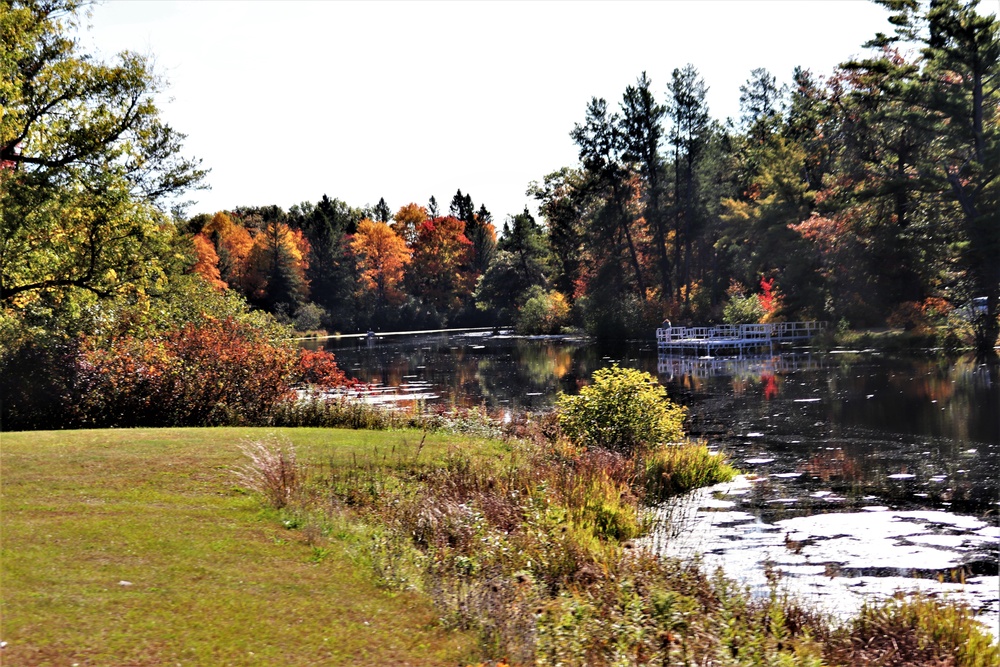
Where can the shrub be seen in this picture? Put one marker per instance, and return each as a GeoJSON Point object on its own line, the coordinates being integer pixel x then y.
{"type": "Point", "coordinates": [309, 317]}
{"type": "Point", "coordinates": [741, 308]}
{"type": "Point", "coordinates": [623, 410]}
{"type": "Point", "coordinates": [222, 372]}
{"type": "Point", "coordinates": [543, 313]}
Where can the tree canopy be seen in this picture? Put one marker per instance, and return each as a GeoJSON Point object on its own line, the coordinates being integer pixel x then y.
{"type": "Point", "coordinates": [87, 166]}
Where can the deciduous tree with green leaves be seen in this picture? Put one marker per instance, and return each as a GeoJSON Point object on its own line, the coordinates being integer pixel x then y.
{"type": "Point", "coordinates": [87, 166]}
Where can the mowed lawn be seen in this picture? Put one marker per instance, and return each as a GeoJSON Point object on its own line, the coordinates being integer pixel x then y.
{"type": "Point", "coordinates": [214, 579]}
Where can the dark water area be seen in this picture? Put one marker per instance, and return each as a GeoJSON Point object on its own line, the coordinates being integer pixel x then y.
{"type": "Point", "coordinates": [920, 432]}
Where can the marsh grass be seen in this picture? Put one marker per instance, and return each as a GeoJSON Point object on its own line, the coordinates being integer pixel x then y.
{"type": "Point", "coordinates": [528, 546]}
{"type": "Point", "coordinates": [915, 630]}
{"type": "Point", "coordinates": [672, 470]}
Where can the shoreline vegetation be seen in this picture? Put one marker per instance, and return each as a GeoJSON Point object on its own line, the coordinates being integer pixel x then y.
{"type": "Point", "coordinates": [287, 531]}
{"type": "Point", "coordinates": [472, 542]}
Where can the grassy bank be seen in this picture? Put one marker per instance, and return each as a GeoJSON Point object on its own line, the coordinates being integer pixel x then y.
{"type": "Point", "coordinates": [147, 547]}
{"type": "Point", "coordinates": [213, 579]}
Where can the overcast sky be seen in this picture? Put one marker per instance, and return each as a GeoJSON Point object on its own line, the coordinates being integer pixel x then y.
{"type": "Point", "coordinates": [288, 101]}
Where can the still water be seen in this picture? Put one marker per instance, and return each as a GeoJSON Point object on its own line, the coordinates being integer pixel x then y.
{"type": "Point", "coordinates": [865, 474]}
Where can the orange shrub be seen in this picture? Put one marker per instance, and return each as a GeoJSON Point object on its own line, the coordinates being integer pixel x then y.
{"type": "Point", "coordinates": [221, 372]}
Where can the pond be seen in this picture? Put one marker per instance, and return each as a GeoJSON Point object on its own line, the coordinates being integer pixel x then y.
{"type": "Point", "coordinates": [865, 473]}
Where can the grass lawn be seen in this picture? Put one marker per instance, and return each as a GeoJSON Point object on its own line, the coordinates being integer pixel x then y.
{"type": "Point", "coordinates": [214, 579]}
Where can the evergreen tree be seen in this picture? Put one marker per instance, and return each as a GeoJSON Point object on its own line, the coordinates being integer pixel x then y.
{"type": "Point", "coordinates": [381, 212]}
{"type": "Point", "coordinates": [484, 239]}
{"type": "Point", "coordinates": [642, 134]}
{"type": "Point", "coordinates": [331, 271]}
{"type": "Point", "coordinates": [462, 207]}
{"type": "Point", "coordinates": [561, 203]}
{"type": "Point", "coordinates": [601, 146]}
{"type": "Point", "coordinates": [521, 263]}
{"type": "Point", "coordinates": [689, 130]}
{"type": "Point", "coordinates": [962, 83]}
{"type": "Point", "coordinates": [761, 105]}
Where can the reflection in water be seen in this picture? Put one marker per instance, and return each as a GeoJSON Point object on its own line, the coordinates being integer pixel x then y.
{"type": "Point", "coordinates": [852, 421]}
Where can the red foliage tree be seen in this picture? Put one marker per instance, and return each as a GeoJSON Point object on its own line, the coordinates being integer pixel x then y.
{"type": "Point", "coordinates": [441, 271]}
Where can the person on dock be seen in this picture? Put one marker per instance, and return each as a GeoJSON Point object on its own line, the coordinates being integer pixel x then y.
{"type": "Point", "coordinates": [666, 328]}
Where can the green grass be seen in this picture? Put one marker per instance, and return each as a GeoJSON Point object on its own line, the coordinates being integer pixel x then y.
{"type": "Point", "coordinates": [520, 552]}
{"type": "Point", "coordinates": [214, 578]}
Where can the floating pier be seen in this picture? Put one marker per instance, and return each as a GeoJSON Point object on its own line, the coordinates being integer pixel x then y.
{"type": "Point", "coordinates": [734, 338]}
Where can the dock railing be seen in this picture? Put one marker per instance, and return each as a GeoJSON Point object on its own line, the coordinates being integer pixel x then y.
{"type": "Point", "coordinates": [737, 337]}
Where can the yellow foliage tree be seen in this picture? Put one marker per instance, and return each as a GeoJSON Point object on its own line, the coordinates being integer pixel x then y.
{"type": "Point", "coordinates": [407, 221]}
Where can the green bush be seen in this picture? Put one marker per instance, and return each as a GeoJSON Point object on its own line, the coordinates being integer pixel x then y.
{"type": "Point", "coordinates": [623, 410]}
{"type": "Point", "coordinates": [543, 313]}
{"type": "Point", "coordinates": [743, 310]}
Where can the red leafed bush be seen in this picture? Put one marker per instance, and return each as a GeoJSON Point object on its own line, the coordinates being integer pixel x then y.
{"type": "Point", "coordinates": [319, 368]}
{"type": "Point", "coordinates": [220, 372]}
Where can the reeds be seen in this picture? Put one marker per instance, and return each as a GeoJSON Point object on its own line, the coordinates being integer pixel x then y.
{"type": "Point", "coordinates": [675, 469]}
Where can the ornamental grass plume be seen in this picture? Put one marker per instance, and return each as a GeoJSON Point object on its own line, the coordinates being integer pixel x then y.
{"type": "Point", "coordinates": [271, 471]}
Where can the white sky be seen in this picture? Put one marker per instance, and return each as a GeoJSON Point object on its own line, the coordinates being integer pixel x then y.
{"type": "Point", "coordinates": [287, 101]}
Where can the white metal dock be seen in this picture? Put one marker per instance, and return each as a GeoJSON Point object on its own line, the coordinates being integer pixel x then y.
{"type": "Point", "coordinates": [735, 338]}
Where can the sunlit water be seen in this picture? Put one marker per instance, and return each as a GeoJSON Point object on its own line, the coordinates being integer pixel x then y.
{"type": "Point", "coordinates": [865, 474]}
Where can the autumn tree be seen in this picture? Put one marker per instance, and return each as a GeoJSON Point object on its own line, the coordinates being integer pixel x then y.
{"type": "Point", "coordinates": [407, 220]}
{"type": "Point", "coordinates": [382, 257]}
{"type": "Point", "coordinates": [207, 261]}
{"type": "Point", "coordinates": [232, 244]}
{"type": "Point", "coordinates": [441, 272]}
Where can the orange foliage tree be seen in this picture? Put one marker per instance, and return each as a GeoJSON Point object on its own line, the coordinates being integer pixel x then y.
{"type": "Point", "coordinates": [441, 272]}
{"type": "Point", "coordinates": [232, 245]}
{"type": "Point", "coordinates": [407, 220]}
{"type": "Point", "coordinates": [382, 256]}
{"type": "Point", "coordinates": [206, 262]}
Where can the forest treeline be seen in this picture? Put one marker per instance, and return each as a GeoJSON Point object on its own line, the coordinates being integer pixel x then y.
{"type": "Point", "coordinates": [865, 196]}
